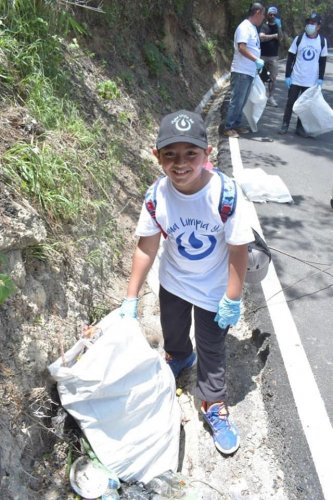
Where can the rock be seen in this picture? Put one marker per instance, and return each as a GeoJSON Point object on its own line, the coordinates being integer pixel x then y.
{"type": "Point", "coordinates": [21, 224]}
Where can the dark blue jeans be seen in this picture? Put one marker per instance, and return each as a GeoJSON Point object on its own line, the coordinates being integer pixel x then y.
{"type": "Point", "coordinates": [240, 89]}
{"type": "Point", "coordinates": [293, 94]}
{"type": "Point", "coordinates": [176, 319]}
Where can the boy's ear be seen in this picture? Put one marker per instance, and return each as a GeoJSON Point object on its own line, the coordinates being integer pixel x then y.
{"type": "Point", "coordinates": [156, 153]}
{"type": "Point", "coordinates": [209, 149]}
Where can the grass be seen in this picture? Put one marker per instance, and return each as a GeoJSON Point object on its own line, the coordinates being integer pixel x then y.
{"type": "Point", "coordinates": [7, 287]}
{"type": "Point", "coordinates": [46, 178]}
{"type": "Point", "coordinates": [209, 48]}
{"type": "Point", "coordinates": [156, 59]}
{"type": "Point", "coordinates": [108, 90]}
{"type": "Point", "coordinates": [61, 172]}
{"type": "Point", "coordinates": [49, 250]}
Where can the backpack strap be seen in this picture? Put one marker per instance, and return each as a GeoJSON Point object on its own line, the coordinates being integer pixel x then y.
{"type": "Point", "coordinates": [298, 41]}
{"type": "Point", "coordinates": [151, 202]}
{"type": "Point", "coordinates": [228, 197]}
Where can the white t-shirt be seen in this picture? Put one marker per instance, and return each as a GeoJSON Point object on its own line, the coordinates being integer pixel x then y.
{"type": "Point", "coordinates": [246, 33]}
{"type": "Point", "coordinates": [306, 68]}
{"type": "Point", "coordinates": [194, 259]}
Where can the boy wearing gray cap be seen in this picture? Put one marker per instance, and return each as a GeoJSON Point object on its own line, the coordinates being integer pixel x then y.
{"type": "Point", "coordinates": [202, 266]}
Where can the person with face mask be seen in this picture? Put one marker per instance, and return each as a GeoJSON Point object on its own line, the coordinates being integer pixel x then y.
{"type": "Point", "coordinates": [305, 67]}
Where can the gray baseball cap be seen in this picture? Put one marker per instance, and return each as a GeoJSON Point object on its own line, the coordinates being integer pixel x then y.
{"type": "Point", "coordinates": [182, 126]}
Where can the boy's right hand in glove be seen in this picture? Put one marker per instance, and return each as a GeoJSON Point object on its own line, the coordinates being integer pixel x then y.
{"type": "Point", "coordinates": [129, 308]}
{"type": "Point", "coordinates": [228, 312]}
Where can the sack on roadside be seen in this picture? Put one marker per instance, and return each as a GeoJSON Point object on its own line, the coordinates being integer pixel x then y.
{"type": "Point", "coordinates": [256, 103]}
{"type": "Point", "coordinates": [122, 394]}
{"type": "Point", "coordinates": [314, 112]}
{"type": "Point", "coordinates": [258, 186]}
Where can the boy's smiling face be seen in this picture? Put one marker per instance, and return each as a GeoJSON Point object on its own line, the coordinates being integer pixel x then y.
{"type": "Point", "coordinates": [184, 164]}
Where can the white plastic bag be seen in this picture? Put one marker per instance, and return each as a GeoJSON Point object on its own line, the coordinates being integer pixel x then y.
{"type": "Point", "coordinates": [122, 394]}
{"type": "Point", "coordinates": [256, 103]}
{"type": "Point", "coordinates": [261, 187]}
{"type": "Point", "coordinates": [314, 112]}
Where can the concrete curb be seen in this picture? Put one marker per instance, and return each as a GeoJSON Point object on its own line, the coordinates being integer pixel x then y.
{"type": "Point", "coordinates": [221, 83]}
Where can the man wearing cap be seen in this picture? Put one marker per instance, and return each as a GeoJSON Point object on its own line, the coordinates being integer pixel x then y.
{"type": "Point", "coordinates": [246, 62]}
{"type": "Point", "coordinates": [305, 67]}
{"type": "Point", "coordinates": [270, 36]}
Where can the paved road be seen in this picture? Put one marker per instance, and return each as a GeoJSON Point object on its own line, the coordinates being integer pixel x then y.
{"type": "Point", "coordinates": [304, 230]}
{"type": "Point", "coordinates": [302, 234]}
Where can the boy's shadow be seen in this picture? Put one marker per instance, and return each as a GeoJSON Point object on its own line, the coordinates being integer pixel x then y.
{"type": "Point", "coordinates": [245, 360]}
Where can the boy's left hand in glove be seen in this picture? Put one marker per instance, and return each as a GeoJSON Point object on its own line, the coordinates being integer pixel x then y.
{"type": "Point", "coordinates": [129, 308]}
{"type": "Point", "coordinates": [228, 312]}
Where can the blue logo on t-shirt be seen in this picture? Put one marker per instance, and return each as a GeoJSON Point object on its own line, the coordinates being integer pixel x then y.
{"type": "Point", "coordinates": [196, 244]}
{"type": "Point", "coordinates": [309, 54]}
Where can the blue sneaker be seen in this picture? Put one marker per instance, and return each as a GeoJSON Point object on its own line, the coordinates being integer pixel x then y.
{"type": "Point", "coordinates": [178, 365]}
{"type": "Point", "coordinates": [225, 434]}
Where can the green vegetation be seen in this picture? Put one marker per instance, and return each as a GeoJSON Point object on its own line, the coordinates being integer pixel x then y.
{"type": "Point", "coordinates": [43, 251]}
{"type": "Point", "coordinates": [108, 90]}
{"type": "Point", "coordinates": [67, 169]}
{"type": "Point", "coordinates": [209, 48]}
{"type": "Point", "coordinates": [47, 178]}
{"type": "Point", "coordinates": [157, 60]}
{"type": "Point", "coordinates": [293, 12]}
{"type": "Point", "coordinates": [7, 287]}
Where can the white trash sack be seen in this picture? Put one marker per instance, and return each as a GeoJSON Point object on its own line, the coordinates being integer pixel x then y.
{"type": "Point", "coordinates": [123, 396]}
{"type": "Point", "coordinates": [314, 112]}
{"type": "Point", "coordinates": [261, 187]}
{"type": "Point", "coordinates": [256, 103]}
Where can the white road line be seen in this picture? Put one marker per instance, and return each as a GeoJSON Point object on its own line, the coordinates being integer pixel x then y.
{"type": "Point", "coordinates": [311, 408]}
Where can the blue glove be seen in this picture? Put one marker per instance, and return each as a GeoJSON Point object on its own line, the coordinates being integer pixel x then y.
{"type": "Point", "coordinates": [287, 81]}
{"type": "Point", "coordinates": [259, 64]}
{"type": "Point", "coordinates": [129, 308]}
{"type": "Point", "coordinates": [228, 312]}
{"type": "Point", "coordinates": [278, 22]}
{"type": "Point", "coordinates": [320, 83]}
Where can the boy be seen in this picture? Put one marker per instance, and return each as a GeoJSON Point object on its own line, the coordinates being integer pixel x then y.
{"type": "Point", "coordinates": [203, 264]}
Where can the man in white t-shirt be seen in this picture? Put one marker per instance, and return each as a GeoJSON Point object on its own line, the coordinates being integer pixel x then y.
{"type": "Point", "coordinates": [245, 63]}
{"type": "Point", "coordinates": [305, 67]}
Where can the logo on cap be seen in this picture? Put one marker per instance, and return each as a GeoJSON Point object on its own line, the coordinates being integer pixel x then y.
{"type": "Point", "coordinates": [182, 123]}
